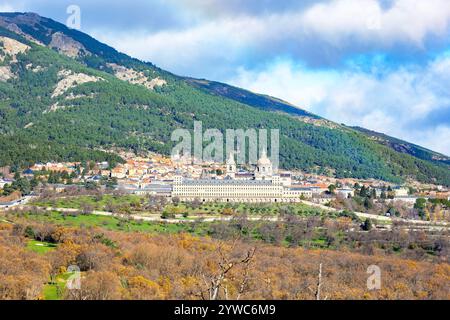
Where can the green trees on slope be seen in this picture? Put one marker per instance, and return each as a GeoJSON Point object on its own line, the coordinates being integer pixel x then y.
{"type": "Point", "coordinates": [114, 113]}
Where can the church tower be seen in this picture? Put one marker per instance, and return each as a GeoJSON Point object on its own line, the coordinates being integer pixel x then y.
{"type": "Point", "coordinates": [264, 168]}
{"type": "Point", "coordinates": [231, 166]}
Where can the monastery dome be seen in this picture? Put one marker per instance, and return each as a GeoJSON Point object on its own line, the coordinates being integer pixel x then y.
{"type": "Point", "coordinates": [264, 161]}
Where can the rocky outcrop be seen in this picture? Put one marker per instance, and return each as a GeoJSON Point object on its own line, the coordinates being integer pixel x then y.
{"type": "Point", "coordinates": [135, 77]}
{"type": "Point", "coordinates": [11, 47]}
{"type": "Point", "coordinates": [29, 19]}
{"type": "Point", "coordinates": [6, 73]}
{"type": "Point", "coordinates": [70, 80]}
{"type": "Point", "coordinates": [35, 69]}
{"type": "Point", "coordinates": [55, 107]}
{"type": "Point", "coordinates": [67, 46]}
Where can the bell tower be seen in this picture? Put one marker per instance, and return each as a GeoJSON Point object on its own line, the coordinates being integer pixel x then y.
{"type": "Point", "coordinates": [231, 166]}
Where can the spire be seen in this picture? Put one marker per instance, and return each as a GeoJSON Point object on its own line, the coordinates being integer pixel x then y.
{"type": "Point", "coordinates": [231, 166]}
{"type": "Point", "coordinates": [264, 160]}
{"type": "Point", "coordinates": [231, 159]}
{"type": "Point", "coordinates": [264, 154]}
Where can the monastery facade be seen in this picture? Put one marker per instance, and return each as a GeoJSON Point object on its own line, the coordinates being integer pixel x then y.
{"type": "Point", "coordinates": [263, 186]}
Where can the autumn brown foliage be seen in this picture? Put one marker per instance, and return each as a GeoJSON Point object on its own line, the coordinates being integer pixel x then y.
{"type": "Point", "coordinates": [119, 265]}
{"type": "Point", "coordinates": [22, 273]}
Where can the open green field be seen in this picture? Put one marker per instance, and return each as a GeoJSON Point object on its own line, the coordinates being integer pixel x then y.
{"type": "Point", "coordinates": [54, 290]}
{"type": "Point", "coordinates": [112, 223]}
{"type": "Point", "coordinates": [40, 247]}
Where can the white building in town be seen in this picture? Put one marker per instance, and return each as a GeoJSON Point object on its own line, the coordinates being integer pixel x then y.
{"type": "Point", "coordinates": [345, 192]}
{"type": "Point", "coordinates": [2, 183]}
{"type": "Point", "coordinates": [401, 191]}
{"type": "Point", "coordinates": [261, 186]}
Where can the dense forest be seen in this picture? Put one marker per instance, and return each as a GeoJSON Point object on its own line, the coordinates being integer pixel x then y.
{"type": "Point", "coordinates": [36, 125]}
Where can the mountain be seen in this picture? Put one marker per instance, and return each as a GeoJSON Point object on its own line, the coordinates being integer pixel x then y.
{"type": "Point", "coordinates": [405, 147]}
{"type": "Point", "coordinates": [66, 96]}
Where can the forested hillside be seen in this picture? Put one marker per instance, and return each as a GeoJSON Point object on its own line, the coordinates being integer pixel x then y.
{"type": "Point", "coordinates": [252, 99]}
{"type": "Point", "coordinates": [82, 97]}
{"type": "Point", "coordinates": [406, 147]}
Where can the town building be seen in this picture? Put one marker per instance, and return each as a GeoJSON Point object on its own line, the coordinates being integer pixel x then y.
{"type": "Point", "coordinates": [401, 191]}
{"type": "Point", "coordinates": [345, 192]}
{"type": "Point", "coordinates": [410, 200]}
{"type": "Point", "coordinates": [68, 167]}
{"type": "Point", "coordinates": [160, 189]}
{"type": "Point", "coordinates": [3, 182]}
{"type": "Point", "coordinates": [119, 172]}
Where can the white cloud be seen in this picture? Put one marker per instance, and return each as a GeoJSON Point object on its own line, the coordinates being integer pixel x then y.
{"type": "Point", "coordinates": [7, 6]}
{"type": "Point", "coordinates": [407, 20]}
{"type": "Point", "coordinates": [437, 138]}
{"type": "Point", "coordinates": [317, 34]}
{"type": "Point", "coordinates": [291, 82]}
{"type": "Point", "coordinates": [400, 102]}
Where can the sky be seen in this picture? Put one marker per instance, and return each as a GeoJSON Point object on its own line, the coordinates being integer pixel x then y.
{"type": "Point", "coordinates": [380, 64]}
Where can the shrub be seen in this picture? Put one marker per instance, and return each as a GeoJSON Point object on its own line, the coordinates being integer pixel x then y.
{"type": "Point", "coordinates": [167, 215]}
{"type": "Point", "coordinates": [367, 225]}
{"type": "Point", "coordinates": [29, 232]}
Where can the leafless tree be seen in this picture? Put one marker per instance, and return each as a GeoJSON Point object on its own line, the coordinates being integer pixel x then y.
{"type": "Point", "coordinates": [87, 208]}
{"type": "Point", "coordinates": [319, 283]}
{"type": "Point", "coordinates": [318, 289]}
{"type": "Point", "coordinates": [215, 283]}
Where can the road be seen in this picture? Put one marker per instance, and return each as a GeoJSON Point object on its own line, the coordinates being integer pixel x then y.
{"type": "Point", "coordinates": [17, 203]}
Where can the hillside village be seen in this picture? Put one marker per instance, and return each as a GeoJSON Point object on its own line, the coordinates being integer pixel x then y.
{"type": "Point", "coordinates": [155, 175]}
